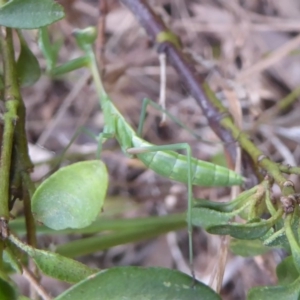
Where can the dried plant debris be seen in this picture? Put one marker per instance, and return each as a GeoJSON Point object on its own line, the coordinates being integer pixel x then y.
{"type": "Point", "coordinates": [249, 53]}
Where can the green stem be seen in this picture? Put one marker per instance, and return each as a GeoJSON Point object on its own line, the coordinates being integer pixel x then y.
{"type": "Point", "coordinates": [30, 224]}
{"type": "Point", "coordinates": [24, 167]}
{"type": "Point", "coordinates": [11, 99]}
{"type": "Point", "coordinates": [14, 135]}
{"type": "Point", "coordinates": [289, 170]}
{"type": "Point", "coordinates": [257, 155]}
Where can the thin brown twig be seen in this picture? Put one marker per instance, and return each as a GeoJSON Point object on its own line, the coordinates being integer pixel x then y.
{"type": "Point", "coordinates": [35, 284]}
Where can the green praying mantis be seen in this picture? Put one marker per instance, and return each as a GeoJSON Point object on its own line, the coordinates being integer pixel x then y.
{"type": "Point", "coordinates": [162, 159]}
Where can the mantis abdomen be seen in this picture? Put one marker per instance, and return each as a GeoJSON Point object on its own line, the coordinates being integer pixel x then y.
{"type": "Point", "coordinates": [173, 165]}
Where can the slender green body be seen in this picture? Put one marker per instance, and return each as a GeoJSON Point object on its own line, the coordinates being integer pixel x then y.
{"type": "Point", "coordinates": [169, 164]}
{"type": "Point", "coordinates": [160, 159]}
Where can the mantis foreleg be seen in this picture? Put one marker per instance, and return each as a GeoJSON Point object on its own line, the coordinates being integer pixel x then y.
{"type": "Point", "coordinates": [100, 138]}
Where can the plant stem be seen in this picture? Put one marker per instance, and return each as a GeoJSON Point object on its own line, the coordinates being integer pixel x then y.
{"type": "Point", "coordinates": [259, 158]}
{"type": "Point", "coordinates": [14, 137]}
{"type": "Point", "coordinates": [11, 99]}
{"type": "Point", "coordinates": [289, 169]}
{"type": "Point", "coordinates": [24, 167]}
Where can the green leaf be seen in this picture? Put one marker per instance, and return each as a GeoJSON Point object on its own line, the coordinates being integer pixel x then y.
{"type": "Point", "coordinates": [46, 47]}
{"type": "Point", "coordinates": [277, 240]}
{"type": "Point", "coordinates": [55, 265]}
{"type": "Point", "coordinates": [248, 231]}
{"type": "Point", "coordinates": [292, 241]}
{"type": "Point", "coordinates": [286, 271]}
{"type": "Point", "coordinates": [97, 243]}
{"type": "Point", "coordinates": [117, 231]}
{"type": "Point", "coordinates": [105, 224]}
{"type": "Point", "coordinates": [7, 289]}
{"type": "Point", "coordinates": [204, 217]}
{"type": "Point", "coordinates": [28, 68]}
{"type": "Point", "coordinates": [137, 283]}
{"type": "Point", "coordinates": [286, 292]}
{"type": "Point", "coordinates": [11, 259]}
{"type": "Point", "coordinates": [72, 197]}
{"type": "Point", "coordinates": [248, 248]}
{"type": "Point", "coordinates": [30, 14]}
{"type": "Point", "coordinates": [226, 206]}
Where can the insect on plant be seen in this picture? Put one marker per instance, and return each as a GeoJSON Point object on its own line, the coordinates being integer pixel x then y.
{"type": "Point", "coordinates": [161, 159]}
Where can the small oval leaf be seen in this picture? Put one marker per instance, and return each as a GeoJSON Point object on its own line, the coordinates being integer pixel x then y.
{"type": "Point", "coordinates": [28, 68]}
{"type": "Point", "coordinates": [250, 230]}
{"type": "Point", "coordinates": [55, 265]}
{"type": "Point", "coordinates": [136, 283]}
{"type": "Point", "coordinates": [11, 260]}
{"type": "Point", "coordinates": [226, 206]}
{"type": "Point", "coordinates": [277, 239]}
{"type": "Point", "coordinates": [248, 248]}
{"type": "Point", "coordinates": [72, 197]}
{"type": "Point", "coordinates": [205, 217]}
{"type": "Point", "coordinates": [30, 14]}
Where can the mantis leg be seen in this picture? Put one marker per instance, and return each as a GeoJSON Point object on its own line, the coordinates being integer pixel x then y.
{"type": "Point", "coordinates": [187, 148]}
{"type": "Point", "coordinates": [150, 102]}
{"type": "Point", "coordinates": [99, 138]}
{"type": "Point", "coordinates": [77, 133]}
{"type": "Point", "coordinates": [102, 137]}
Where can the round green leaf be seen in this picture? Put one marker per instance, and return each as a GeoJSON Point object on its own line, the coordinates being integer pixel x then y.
{"type": "Point", "coordinates": [137, 283]}
{"type": "Point", "coordinates": [30, 14]}
{"type": "Point", "coordinates": [72, 197]}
